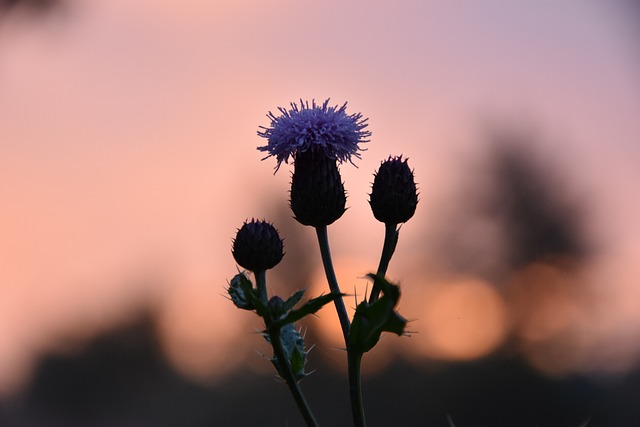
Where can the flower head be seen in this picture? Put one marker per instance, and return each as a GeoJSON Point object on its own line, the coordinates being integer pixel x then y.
{"type": "Point", "coordinates": [394, 195]}
{"type": "Point", "coordinates": [257, 246]}
{"type": "Point", "coordinates": [325, 129]}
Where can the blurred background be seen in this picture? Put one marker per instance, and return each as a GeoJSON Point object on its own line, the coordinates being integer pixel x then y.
{"type": "Point", "coordinates": [128, 160]}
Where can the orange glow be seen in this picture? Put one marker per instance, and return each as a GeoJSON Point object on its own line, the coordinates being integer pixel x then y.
{"type": "Point", "coordinates": [16, 365]}
{"type": "Point", "coordinates": [546, 305]}
{"type": "Point", "coordinates": [350, 273]}
{"type": "Point", "coordinates": [544, 301]}
{"type": "Point", "coordinates": [200, 330]}
{"type": "Point", "coordinates": [564, 326]}
{"type": "Point", "coordinates": [464, 319]}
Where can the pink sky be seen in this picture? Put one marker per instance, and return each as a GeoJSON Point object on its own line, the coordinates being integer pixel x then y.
{"type": "Point", "coordinates": [128, 135]}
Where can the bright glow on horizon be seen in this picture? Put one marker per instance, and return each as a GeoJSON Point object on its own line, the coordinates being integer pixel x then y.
{"type": "Point", "coordinates": [462, 320]}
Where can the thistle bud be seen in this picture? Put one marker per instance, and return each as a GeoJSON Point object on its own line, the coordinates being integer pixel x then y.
{"type": "Point", "coordinates": [257, 246]}
{"type": "Point", "coordinates": [317, 192]}
{"type": "Point", "coordinates": [276, 307]}
{"type": "Point", "coordinates": [394, 195]}
{"type": "Point", "coordinates": [293, 347]}
{"type": "Point", "coordinates": [237, 294]}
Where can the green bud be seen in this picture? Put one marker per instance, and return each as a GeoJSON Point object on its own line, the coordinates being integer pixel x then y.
{"type": "Point", "coordinates": [237, 294]}
{"type": "Point", "coordinates": [293, 346]}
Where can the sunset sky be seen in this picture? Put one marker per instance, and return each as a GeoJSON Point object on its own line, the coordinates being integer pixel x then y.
{"type": "Point", "coordinates": [128, 157]}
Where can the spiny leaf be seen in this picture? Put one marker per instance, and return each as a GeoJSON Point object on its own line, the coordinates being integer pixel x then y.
{"type": "Point", "coordinates": [370, 320]}
{"type": "Point", "coordinates": [292, 344]}
{"type": "Point", "coordinates": [297, 363]}
{"type": "Point", "coordinates": [311, 307]}
{"type": "Point", "coordinates": [293, 300]}
{"type": "Point", "coordinates": [252, 296]}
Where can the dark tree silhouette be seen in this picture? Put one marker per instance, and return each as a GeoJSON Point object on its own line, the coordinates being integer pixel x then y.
{"type": "Point", "coordinates": [513, 209]}
{"type": "Point", "coordinates": [33, 5]}
{"type": "Point", "coordinates": [122, 379]}
{"type": "Point", "coordinates": [528, 200]}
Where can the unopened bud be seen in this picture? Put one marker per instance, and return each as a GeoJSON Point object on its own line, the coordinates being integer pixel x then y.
{"type": "Point", "coordinates": [257, 246]}
{"type": "Point", "coordinates": [317, 192]}
{"type": "Point", "coordinates": [237, 294]}
{"type": "Point", "coordinates": [394, 195]}
{"type": "Point", "coordinates": [293, 346]}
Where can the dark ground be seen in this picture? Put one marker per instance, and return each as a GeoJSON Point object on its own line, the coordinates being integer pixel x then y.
{"type": "Point", "coordinates": [122, 380]}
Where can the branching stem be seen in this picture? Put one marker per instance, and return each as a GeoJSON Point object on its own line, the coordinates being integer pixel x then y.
{"type": "Point", "coordinates": [354, 359]}
{"type": "Point", "coordinates": [281, 358]}
{"type": "Point", "coordinates": [388, 248]}
{"type": "Point", "coordinates": [287, 374]}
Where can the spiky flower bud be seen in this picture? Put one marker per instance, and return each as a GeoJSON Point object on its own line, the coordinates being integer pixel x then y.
{"type": "Point", "coordinates": [394, 194]}
{"type": "Point", "coordinates": [276, 307]}
{"type": "Point", "coordinates": [317, 192]}
{"type": "Point", "coordinates": [237, 294]}
{"type": "Point", "coordinates": [257, 246]}
{"type": "Point", "coordinates": [293, 347]}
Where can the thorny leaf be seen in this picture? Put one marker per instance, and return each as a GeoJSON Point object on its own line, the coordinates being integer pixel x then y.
{"type": "Point", "coordinates": [311, 307]}
{"type": "Point", "coordinates": [371, 320]}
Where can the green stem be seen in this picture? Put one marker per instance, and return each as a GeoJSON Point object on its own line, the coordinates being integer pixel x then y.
{"type": "Point", "coordinates": [278, 352]}
{"type": "Point", "coordinates": [287, 374]}
{"type": "Point", "coordinates": [323, 241]}
{"type": "Point", "coordinates": [388, 248]}
{"type": "Point", "coordinates": [355, 388]}
{"type": "Point", "coordinates": [261, 284]}
{"type": "Point", "coordinates": [354, 359]}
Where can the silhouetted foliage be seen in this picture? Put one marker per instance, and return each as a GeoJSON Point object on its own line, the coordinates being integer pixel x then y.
{"type": "Point", "coordinates": [122, 379]}
{"type": "Point", "coordinates": [34, 5]}
{"type": "Point", "coordinates": [531, 205]}
{"type": "Point", "coordinates": [513, 209]}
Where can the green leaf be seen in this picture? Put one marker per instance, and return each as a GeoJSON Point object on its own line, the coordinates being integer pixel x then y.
{"type": "Point", "coordinates": [292, 344]}
{"type": "Point", "coordinates": [293, 300]}
{"type": "Point", "coordinates": [252, 296]}
{"type": "Point", "coordinates": [371, 320]}
{"type": "Point", "coordinates": [311, 307]}
{"type": "Point", "coordinates": [297, 363]}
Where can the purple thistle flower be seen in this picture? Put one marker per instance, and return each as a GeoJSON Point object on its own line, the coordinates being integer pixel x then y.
{"type": "Point", "coordinates": [325, 129]}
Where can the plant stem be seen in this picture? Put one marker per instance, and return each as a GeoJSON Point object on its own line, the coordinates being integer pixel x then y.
{"type": "Point", "coordinates": [261, 284]}
{"type": "Point", "coordinates": [287, 374]}
{"type": "Point", "coordinates": [278, 352]}
{"type": "Point", "coordinates": [323, 241]}
{"type": "Point", "coordinates": [388, 248]}
{"type": "Point", "coordinates": [355, 388]}
{"type": "Point", "coordinates": [354, 359]}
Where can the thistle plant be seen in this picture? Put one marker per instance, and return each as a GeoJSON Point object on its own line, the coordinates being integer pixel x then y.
{"type": "Point", "coordinates": [319, 138]}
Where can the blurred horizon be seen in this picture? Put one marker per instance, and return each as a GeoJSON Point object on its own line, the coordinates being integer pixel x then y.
{"type": "Point", "coordinates": [128, 160]}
